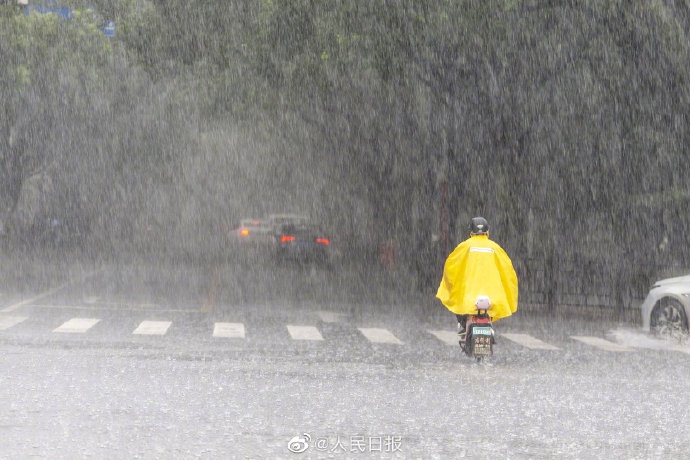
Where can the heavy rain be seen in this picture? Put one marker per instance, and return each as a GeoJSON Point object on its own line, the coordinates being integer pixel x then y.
{"type": "Point", "coordinates": [223, 226]}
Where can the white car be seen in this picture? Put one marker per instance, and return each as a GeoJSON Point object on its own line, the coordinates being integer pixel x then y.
{"type": "Point", "coordinates": [274, 221]}
{"type": "Point", "coordinates": [251, 229]}
{"type": "Point", "coordinates": [251, 242]}
{"type": "Point", "coordinates": [665, 310]}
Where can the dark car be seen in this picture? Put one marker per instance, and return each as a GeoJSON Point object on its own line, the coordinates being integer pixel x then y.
{"type": "Point", "coordinates": [302, 243]}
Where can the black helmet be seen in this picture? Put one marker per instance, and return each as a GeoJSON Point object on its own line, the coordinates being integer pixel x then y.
{"type": "Point", "coordinates": [479, 226]}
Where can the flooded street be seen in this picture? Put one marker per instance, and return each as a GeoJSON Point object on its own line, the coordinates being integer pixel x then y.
{"type": "Point", "coordinates": [245, 229]}
{"type": "Point", "coordinates": [244, 378]}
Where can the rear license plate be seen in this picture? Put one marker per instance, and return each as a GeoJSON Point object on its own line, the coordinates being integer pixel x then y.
{"type": "Point", "coordinates": [481, 330]}
{"type": "Point", "coordinates": [482, 346]}
{"type": "Point", "coordinates": [481, 341]}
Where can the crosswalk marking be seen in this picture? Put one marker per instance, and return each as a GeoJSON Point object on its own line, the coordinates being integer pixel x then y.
{"type": "Point", "coordinates": [77, 325]}
{"type": "Point", "coordinates": [601, 343]}
{"type": "Point", "coordinates": [619, 342]}
{"type": "Point", "coordinates": [378, 335]}
{"type": "Point", "coordinates": [304, 332]}
{"type": "Point", "coordinates": [152, 328]}
{"type": "Point", "coordinates": [228, 330]}
{"type": "Point", "coordinates": [448, 337]}
{"type": "Point", "coordinates": [7, 322]}
{"type": "Point", "coordinates": [528, 341]}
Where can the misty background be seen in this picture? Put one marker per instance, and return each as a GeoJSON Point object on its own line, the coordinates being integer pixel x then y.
{"type": "Point", "coordinates": [391, 123]}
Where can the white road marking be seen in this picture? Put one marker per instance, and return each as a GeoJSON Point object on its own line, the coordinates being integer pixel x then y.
{"type": "Point", "coordinates": [91, 299]}
{"type": "Point", "coordinates": [228, 330]}
{"type": "Point", "coordinates": [304, 332]}
{"type": "Point", "coordinates": [378, 335]}
{"type": "Point", "coordinates": [330, 316]}
{"type": "Point", "coordinates": [601, 343]}
{"type": "Point", "coordinates": [448, 337]}
{"type": "Point", "coordinates": [7, 322]}
{"type": "Point", "coordinates": [102, 305]}
{"type": "Point", "coordinates": [152, 328]}
{"type": "Point", "coordinates": [528, 341]}
{"type": "Point", "coordinates": [18, 305]}
{"type": "Point", "coordinates": [45, 294]}
{"type": "Point", "coordinates": [77, 325]}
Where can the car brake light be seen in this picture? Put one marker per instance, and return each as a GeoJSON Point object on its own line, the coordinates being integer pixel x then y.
{"type": "Point", "coordinates": [244, 232]}
{"type": "Point", "coordinates": [323, 241]}
{"type": "Point", "coordinates": [286, 238]}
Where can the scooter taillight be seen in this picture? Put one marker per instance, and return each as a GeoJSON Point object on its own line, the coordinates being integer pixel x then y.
{"type": "Point", "coordinates": [482, 314]}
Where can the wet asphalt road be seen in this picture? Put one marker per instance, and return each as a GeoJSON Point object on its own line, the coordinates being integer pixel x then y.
{"type": "Point", "coordinates": [138, 362]}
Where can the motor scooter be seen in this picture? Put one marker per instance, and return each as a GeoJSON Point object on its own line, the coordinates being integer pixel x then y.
{"type": "Point", "coordinates": [479, 332]}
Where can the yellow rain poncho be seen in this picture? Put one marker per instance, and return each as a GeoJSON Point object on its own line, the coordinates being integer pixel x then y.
{"type": "Point", "coordinates": [478, 266]}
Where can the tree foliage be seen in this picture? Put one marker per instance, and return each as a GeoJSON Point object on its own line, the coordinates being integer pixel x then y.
{"type": "Point", "coordinates": [564, 123]}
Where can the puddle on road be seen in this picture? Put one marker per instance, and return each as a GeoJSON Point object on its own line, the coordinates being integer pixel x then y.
{"type": "Point", "coordinates": [639, 339]}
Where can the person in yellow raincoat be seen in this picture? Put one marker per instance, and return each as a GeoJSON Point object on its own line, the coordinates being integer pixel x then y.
{"type": "Point", "coordinates": [478, 267]}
